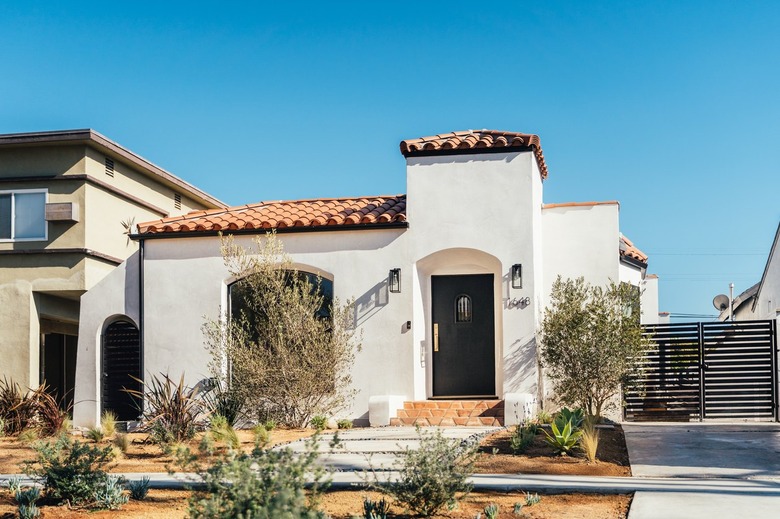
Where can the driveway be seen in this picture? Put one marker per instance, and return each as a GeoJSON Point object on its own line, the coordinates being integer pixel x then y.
{"type": "Point", "coordinates": [748, 452]}
{"type": "Point", "coordinates": [700, 450]}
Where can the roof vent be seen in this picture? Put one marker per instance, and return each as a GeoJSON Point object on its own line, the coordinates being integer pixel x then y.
{"type": "Point", "coordinates": [177, 201]}
{"type": "Point", "coordinates": [109, 167]}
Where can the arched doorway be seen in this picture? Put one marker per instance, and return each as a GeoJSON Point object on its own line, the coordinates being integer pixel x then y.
{"type": "Point", "coordinates": [121, 366]}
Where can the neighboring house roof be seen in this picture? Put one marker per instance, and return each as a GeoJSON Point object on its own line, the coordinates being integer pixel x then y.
{"type": "Point", "coordinates": [475, 141]}
{"type": "Point", "coordinates": [628, 250]}
{"type": "Point", "coordinates": [107, 146]}
{"type": "Point", "coordinates": [775, 246]}
{"type": "Point", "coordinates": [341, 213]}
{"type": "Point", "coordinates": [748, 296]}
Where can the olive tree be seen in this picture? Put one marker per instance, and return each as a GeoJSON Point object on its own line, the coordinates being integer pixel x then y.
{"type": "Point", "coordinates": [590, 341]}
{"type": "Point", "coordinates": [286, 348]}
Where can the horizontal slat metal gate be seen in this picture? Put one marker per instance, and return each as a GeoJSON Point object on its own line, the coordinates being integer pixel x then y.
{"type": "Point", "coordinates": [694, 371]}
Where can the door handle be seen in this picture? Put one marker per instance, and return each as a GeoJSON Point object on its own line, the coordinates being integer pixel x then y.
{"type": "Point", "coordinates": [435, 336]}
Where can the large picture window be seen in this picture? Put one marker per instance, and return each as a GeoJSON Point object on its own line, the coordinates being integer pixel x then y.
{"type": "Point", "coordinates": [22, 215]}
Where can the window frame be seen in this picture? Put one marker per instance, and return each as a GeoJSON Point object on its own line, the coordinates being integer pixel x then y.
{"type": "Point", "coordinates": [13, 193]}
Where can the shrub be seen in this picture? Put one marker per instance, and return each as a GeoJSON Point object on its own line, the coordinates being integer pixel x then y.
{"type": "Point", "coordinates": [223, 432]}
{"type": "Point", "coordinates": [224, 401]}
{"type": "Point", "coordinates": [589, 441]}
{"type": "Point", "coordinates": [95, 434]}
{"type": "Point", "coordinates": [14, 484]}
{"type": "Point", "coordinates": [290, 346]}
{"type": "Point", "coordinates": [517, 509]}
{"type": "Point", "coordinates": [30, 511]}
{"type": "Point", "coordinates": [375, 509]}
{"type": "Point", "coordinates": [318, 422]}
{"type": "Point", "coordinates": [110, 493]}
{"type": "Point", "coordinates": [543, 417]}
{"type": "Point", "coordinates": [29, 436]}
{"type": "Point", "coordinates": [269, 424]}
{"type": "Point", "coordinates": [139, 489]}
{"type": "Point", "coordinates": [591, 338]}
{"type": "Point", "coordinates": [491, 511]}
{"type": "Point", "coordinates": [121, 441]}
{"type": "Point", "coordinates": [171, 409]}
{"type": "Point", "coordinates": [263, 484]}
{"type": "Point", "coordinates": [344, 423]}
{"type": "Point", "coordinates": [532, 499]}
{"type": "Point", "coordinates": [261, 435]}
{"type": "Point", "coordinates": [563, 441]}
{"type": "Point", "coordinates": [432, 475]}
{"type": "Point", "coordinates": [522, 438]}
{"type": "Point", "coordinates": [51, 420]}
{"type": "Point", "coordinates": [17, 408]}
{"type": "Point", "coordinates": [108, 423]}
{"type": "Point", "coordinates": [70, 470]}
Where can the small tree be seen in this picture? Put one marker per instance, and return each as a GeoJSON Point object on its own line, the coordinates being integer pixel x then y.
{"type": "Point", "coordinates": [591, 339]}
{"type": "Point", "coordinates": [285, 347]}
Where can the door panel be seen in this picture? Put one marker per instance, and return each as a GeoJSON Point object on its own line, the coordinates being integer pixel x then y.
{"type": "Point", "coordinates": [463, 335]}
{"type": "Point", "coordinates": [121, 366]}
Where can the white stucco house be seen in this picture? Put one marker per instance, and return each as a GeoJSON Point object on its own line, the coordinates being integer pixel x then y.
{"type": "Point", "coordinates": [451, 280]}
{"type": "Point", "coordinates": [762, 300]}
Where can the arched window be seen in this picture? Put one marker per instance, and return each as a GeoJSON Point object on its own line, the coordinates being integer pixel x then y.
{"type": "Point", "coordinates": [247, 300]}
{"type": "Point", "coordinates": [463, 309]}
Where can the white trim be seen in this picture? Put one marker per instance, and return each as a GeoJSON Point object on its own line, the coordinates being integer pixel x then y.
{"type": "Point", "coordinates": [14, 192]}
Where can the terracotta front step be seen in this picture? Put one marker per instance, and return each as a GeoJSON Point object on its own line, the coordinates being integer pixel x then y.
{"type": "Point", "coordinates": [451, 412]}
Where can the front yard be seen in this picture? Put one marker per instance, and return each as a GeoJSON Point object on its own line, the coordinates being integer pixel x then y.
{"type": "Point", "coordinates": [495, 457]}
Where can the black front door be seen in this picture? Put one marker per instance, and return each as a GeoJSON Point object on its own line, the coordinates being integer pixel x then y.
{"type": "Point", "coordinates": [463, 336]}
{"type": "Point", "coordinates": [121, 370]}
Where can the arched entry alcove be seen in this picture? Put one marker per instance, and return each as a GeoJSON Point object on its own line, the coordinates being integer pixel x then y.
{"type": "Point", "coordinates": [121, 369]}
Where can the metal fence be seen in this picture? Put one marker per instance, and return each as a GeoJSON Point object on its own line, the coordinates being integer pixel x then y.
{"type": "Point", "coordinates": [696, 371]}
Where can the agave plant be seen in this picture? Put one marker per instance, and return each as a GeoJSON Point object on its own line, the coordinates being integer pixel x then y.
{"type": "Point", "coordinates": [575, 416]}
{"type": "Point", "coordinates": [563, 441]}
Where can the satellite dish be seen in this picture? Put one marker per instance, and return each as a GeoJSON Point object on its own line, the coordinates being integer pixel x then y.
{"type": "Point", "coordinates": [721, 302]}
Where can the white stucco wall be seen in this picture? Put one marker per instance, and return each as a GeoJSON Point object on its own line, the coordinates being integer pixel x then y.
{"type": "Point", "coordinates": [649, 300]}
{"type": "Point", "coordinates": [581, 241]}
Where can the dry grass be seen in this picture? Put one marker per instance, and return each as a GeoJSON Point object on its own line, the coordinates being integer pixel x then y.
{"type": "Point", "coordinates": [589, 441]}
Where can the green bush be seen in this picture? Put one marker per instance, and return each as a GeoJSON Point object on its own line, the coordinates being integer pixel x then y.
{"type": "Point", "coordinates": [270, 424]}
{"type": "Point", "coordinates": [432, 475]}
{"type": "Point", "coordinates": [70, 470]}
{"type": "Point", "coordinates": [344, 423]}
{"type": "Point", "coordinates": [222, 431]}
{"type": "Point", "coordinates": [522, 438]}
{"type": "Point", "coordinates": [226, 402]}
{"type": "Point", "coordinates": [95, 434]}
{"type": "Point", "coordinates": [318, 422]}
{"type": "Point", "coordinates": [266, 484]}
{"type": "Point", "coordinates": [563, 441]}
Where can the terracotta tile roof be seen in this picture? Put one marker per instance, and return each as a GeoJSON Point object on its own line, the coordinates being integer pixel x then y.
{"type": "Point", "coordinates": [334, 212]}
{"type": "Point", "coordinates": [474, 141]}
{"type": "Point", "coordinates": [628, 249]}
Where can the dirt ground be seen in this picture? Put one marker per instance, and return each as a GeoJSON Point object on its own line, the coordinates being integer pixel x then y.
{"type": "Point", "coordinates": [141, 456]}
{"type": "Point", "coordinates": [164, 504]}
{"type": "Point", "coordinates": [611, 457]}
{"type": "Point", "coordinates": [496, 457]}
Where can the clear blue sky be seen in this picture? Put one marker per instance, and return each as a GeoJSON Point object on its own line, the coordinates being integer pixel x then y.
{"type": "Point", "coordinates": [670, 107]}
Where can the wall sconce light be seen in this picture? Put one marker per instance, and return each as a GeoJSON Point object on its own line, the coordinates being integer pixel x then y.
{"type": "Point", "coordinates": [517, 276]}
{"type": "Point", "coordinates": [394, 281]}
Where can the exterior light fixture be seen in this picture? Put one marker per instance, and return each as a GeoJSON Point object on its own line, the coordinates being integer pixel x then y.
{"type": "Point", "coordinates": [517, 276]}
{"type": "Point", "coordinates": [394, 281]}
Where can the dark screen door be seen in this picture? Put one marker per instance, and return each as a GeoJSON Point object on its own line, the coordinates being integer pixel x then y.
{"type": "Point", "coordinates": [463, 336]}
{"type": "Point", "coordinates": [121, 370]}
